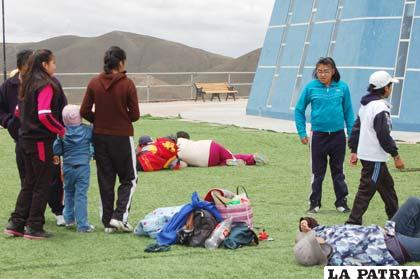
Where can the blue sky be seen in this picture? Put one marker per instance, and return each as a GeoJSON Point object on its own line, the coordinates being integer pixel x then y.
{"type": "Point", "coordinates": [227, 27]}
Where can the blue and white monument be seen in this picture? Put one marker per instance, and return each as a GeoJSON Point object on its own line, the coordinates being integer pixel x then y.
{"type": "Point", "coordinates": [362, 36]}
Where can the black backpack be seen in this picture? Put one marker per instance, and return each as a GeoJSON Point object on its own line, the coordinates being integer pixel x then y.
{"type": "Point", "coordinates": [199, 226]}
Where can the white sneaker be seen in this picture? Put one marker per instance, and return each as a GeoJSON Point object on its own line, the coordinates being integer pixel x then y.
{"type": "Point", "coordinates": [343, 209]}
{"type": "Point", "coordinates": [235, 162]}
{"type": "Point", "coordinates": [121, 226]}
{"type": "Point", "coordinates": [313, 210]}
{"type": "Point", "coordinates": [89, 230]}
{"type": "Point", "coordinates": [110, 230]}
{"type": "Point", "coordinates": [70, 225]}
{"type": "Point", "coordinates": [260, 159]}
{"type": "Point", "coordinates": [60, 220]}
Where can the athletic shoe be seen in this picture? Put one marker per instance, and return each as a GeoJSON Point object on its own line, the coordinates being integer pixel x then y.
{"type": "Point", "coordinates": [121, 226]}
{"type": "Point", "coordinates": [70, 225]}
{"type": "Point", "coordinates": [343, 209]}
{"type": "Point", "coordinates": [88, 230]}
{"type": "Point", "coordinates": [14, 230]}
{"type": "Point", "coordinates": [260, 159]}
{"type": "Point", "coordinates": [35, 234]}
{"type": "Point", "coordinates": [235, 162]}
{"type": "Point", "coordinates": [60, 220]}
{"type": "Point", "coordinates": [110, 230]}
{"type": "Point", "coordinates": [313, 209]}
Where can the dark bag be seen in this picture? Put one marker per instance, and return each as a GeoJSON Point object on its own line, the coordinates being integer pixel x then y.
{"type": "Point", "coordinates": [240, 235]}
{"type": "Point", "coordinates": [184, 234]}
{"type": "Point", "coordinates": [197, 229]}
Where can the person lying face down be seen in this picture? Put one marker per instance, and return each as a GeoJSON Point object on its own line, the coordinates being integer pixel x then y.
{"type": "Point", "coordinates": [159, 154]}
{"type": "Point", "coordinates": [397, 243]}
{"type": "Point", "coordinates": [209, 153]}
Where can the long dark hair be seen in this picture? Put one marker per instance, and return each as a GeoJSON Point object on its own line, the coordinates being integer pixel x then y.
{"type": "Point", "coordinates": [36, 76]}
{"type": "Point", "coordinates": [327, 61]}
{"type": "Point", "coordinates": [113, 56]}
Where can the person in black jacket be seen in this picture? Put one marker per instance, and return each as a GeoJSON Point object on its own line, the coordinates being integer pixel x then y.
{"type": "Point", "coordinates": [38, 111]}
{"type": "Point", "coordinates": [8, 101]}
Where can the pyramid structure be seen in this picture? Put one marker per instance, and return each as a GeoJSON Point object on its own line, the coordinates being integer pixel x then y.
{"type": "Point", "coordinates": [362, 36]}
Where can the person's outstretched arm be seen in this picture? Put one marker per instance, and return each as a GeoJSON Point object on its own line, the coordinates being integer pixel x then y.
{"type": "Point", "coordinates": [5, 115]}
{"type": "Point", "coordinates": [44, 112]}
{"type": "Point", "coordinates": [87, 105]}
{"type": "Point", "coordinates": [133, 103]}
{"type": "Point", "coordinates": [354, 141]}
{"type": "Point", "coordinates": [381, 124]}
{"type": "Point", "coordinates": [58, 147]}
{"type": "Point", "coordinates": [300, 118]}
{"type": "Point", "coordinates": [354, 136]}
{"type": "Point", "coordinates": [348, 111]}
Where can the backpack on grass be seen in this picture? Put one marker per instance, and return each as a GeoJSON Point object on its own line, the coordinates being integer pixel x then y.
{"type": "Point", "coordinates": [240, 235]}
{"type": "Point", "coordinates": [198, 228]}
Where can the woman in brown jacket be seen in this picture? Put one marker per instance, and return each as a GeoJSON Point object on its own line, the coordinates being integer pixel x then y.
{"type": "Point", "coordinates": [114, 96]}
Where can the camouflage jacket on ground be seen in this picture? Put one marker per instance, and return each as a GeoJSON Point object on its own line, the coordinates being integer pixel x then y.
{"type": "Point", "coordinates": [356, 245]}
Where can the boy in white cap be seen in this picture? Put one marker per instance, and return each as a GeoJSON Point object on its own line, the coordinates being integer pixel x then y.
{"type": "Point", "coordinates": [371, 142]}
{"type": "Point", "coordinates": [76, 150]}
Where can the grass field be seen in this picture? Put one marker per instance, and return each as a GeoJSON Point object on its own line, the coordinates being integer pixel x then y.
{"type": "Point", "coordinates": [278, 192]}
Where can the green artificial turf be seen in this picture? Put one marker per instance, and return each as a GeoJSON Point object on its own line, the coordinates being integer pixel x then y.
{"type": "Point", "coordinates": [278, 192]}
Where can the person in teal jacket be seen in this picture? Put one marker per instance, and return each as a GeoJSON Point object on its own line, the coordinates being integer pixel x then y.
{"type": "Point", "coordinates": [331, 109]}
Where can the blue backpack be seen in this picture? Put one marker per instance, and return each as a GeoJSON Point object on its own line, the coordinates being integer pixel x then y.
{"type": "Point", "coordinates": [240, 235]}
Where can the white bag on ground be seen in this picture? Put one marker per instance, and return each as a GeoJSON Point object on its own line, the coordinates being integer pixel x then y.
{"type": "Point", "coordinates": [155, 220]}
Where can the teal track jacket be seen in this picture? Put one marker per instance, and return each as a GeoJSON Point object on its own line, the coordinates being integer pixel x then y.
{"type": "Point", "coordinates": [330, 108]}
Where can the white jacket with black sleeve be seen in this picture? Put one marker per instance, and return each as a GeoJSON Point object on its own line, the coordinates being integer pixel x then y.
{"type": "Point", "coordinates": [371, 134]}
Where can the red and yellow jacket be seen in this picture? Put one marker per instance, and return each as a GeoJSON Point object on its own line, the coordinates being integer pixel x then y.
{"type": "Point", "coordinates": [161, 154]}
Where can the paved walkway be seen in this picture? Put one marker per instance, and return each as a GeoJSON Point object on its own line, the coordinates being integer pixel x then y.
{"type": "Point", "coordinates": [234, 113]}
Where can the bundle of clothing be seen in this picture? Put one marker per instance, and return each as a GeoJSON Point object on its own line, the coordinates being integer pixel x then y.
{"type": "Point", "coordinates": [191, 225]}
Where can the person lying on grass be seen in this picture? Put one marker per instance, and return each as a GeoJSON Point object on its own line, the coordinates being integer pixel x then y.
{"type": "Point", "coordinates": [157, 155]}
{"type": "Point", "coordinates": [354, 245]}
{"type": "Point", "coordinates": [209, 153]}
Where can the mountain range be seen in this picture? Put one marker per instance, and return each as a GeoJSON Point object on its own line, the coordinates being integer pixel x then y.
{"type": "Point", "coordinates": [76, 54]}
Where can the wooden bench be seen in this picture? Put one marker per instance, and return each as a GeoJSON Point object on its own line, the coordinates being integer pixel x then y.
{"type": "Point", "coordinates": [215, 89]}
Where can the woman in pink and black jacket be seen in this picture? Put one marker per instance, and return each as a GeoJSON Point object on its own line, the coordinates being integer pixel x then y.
{"type": "Point", "coordinates": [38, 111]}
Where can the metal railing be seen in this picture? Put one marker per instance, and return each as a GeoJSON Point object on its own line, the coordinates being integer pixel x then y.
{"type": "Point", "coordinates": [182, 83]}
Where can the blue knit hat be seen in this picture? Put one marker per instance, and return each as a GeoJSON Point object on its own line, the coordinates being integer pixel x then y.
{"type": "Point", "coordinates": [143, 140]}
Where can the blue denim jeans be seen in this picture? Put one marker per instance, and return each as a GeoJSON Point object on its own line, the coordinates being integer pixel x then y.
{"type": "Point", "coordinates": [407, 227]}
{"type": "Point", "coordinates": [76, 185]}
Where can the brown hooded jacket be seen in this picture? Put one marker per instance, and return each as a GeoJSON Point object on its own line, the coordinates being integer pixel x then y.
{"type": "Point", "coordinates": [116, 105]}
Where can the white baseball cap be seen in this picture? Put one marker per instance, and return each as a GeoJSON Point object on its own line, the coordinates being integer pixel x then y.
{"type": "Point", "coordinates": [381, 79]}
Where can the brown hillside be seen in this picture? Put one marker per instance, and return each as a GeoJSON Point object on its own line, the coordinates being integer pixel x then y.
{"type": "Point", "coordinates": [145, 53]}
{"type": "Point", "coordinates": [244, 63]}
